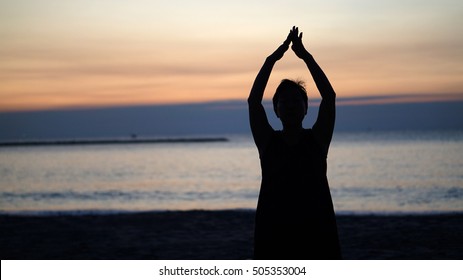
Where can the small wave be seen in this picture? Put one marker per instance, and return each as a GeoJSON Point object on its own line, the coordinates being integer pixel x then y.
{"type": "Point", "coordinates": [79, 196]}
{"type": "Point", "coordinates": [124, 196]}
{"type": "Point", "coordinates": [454, 193]}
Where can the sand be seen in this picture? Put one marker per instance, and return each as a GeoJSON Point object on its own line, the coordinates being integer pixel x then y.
{"type": "Point", "coordinates": [216, 235]}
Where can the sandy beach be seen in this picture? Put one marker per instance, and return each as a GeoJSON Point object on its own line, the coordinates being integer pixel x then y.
{"type": "Point", "coordinates": [216, 235]}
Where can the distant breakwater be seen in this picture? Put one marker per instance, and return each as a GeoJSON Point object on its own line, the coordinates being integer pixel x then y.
{"type": "Point", "coordinates": [112, 141]}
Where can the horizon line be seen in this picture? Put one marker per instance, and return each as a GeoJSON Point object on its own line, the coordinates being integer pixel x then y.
{"type": "Point", "coordinates": [365, 100]}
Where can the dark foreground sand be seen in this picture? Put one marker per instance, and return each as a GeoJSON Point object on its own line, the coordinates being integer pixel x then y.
{"type": "Point", "coordinates": [216, 235]}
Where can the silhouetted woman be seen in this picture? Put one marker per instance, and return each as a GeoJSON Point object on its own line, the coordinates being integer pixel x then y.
{"type": "Point", "coordinates": [295, 217]}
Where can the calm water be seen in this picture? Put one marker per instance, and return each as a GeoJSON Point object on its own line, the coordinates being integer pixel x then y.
{"type": "Point", "coordinates": [368, 172]}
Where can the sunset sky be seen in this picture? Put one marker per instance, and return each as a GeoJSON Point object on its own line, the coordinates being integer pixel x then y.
{"type": "Point", "coordinates": [56, 53]}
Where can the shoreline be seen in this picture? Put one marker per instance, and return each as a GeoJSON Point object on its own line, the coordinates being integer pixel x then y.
{"type": "Point", "coordinates": [226, 234]}
{"type": "Point", "coordinates": [112, 212]}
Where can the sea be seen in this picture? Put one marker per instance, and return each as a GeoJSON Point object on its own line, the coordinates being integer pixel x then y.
{"type": "Point", "coordinates": [369, 172]}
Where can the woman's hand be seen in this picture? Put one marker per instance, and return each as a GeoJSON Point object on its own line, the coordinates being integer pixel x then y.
{"type": "Point", "coordinates": [297, 46]}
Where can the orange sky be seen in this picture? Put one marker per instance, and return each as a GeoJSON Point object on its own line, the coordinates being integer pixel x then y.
{"type": "Point", "coordinates": [57, 53]}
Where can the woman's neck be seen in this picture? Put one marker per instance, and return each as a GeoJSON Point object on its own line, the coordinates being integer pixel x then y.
{"type": "Point", "coordinates": [292, 134]}
{"type": "Point", "coordinates": [292, 128]}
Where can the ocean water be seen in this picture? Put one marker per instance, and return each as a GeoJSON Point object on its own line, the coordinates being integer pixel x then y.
{"type": "Point", "coordinates": [369, 172]}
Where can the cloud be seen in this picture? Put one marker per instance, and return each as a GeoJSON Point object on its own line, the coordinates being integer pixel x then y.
{"type": "Point", "coordinates": [400, 99]}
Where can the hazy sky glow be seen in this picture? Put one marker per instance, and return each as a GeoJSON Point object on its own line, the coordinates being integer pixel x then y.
{"type": "Point", "coordinates": [56, 53]}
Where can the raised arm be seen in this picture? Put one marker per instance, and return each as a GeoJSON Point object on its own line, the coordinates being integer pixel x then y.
{"type": "Point", "coordinates": [324, 125]}
{"type": "Point", "coordinates": [260, 126]}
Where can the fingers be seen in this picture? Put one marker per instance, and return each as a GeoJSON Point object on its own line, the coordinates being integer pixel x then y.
{"type": "Point", "coordinates": [294, 34]}
{"type": "Point", "coordinates": [295, 29]}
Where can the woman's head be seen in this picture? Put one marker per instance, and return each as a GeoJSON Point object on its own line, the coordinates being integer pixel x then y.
{"type": "Point", "coordinates": [290, 101]}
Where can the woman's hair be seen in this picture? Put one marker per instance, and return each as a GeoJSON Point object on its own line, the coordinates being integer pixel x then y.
{"type": "Point", "coordinates": [287, 84]}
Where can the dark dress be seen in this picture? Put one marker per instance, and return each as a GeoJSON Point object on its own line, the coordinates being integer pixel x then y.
{"type": "Point", "coordinates": [295, 217]}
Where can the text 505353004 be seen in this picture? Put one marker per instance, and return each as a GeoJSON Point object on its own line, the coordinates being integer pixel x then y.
{"type": "Point", "coordinates": [271, 270]}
